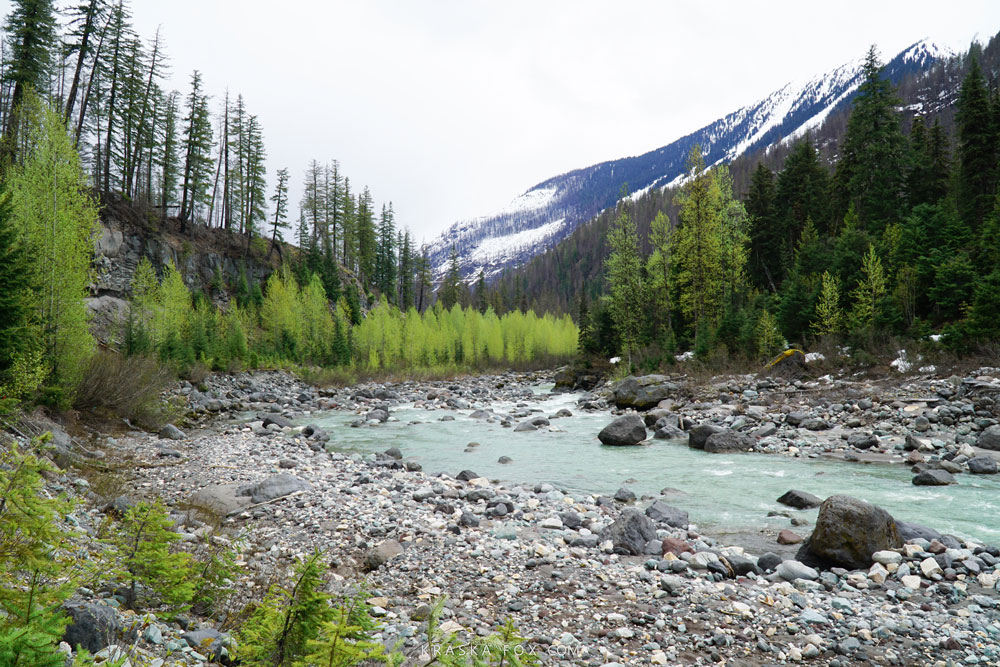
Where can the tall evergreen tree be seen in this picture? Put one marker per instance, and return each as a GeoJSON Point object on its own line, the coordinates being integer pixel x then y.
{"type": "Point", "coordinates": [31, 29]}
{"type": "Point", "coordinates": [625, 283]}
{"type": "Point", "coordinates": [449, 291]}
{"type": "Point", "coordinates": [385, 254]}
{"type": "Point", "coordinates": [424, 280]}
{"type": "Point", "coordinates": [280, 199]}
{"type": "Point", "coordinates": [406, 271]}
{"type": "Point", "coordinates": [366, 236]}
{"type": "Point", "coordinates": [197, 149]}
{"type": "Point", "coordinates": [15, 291]}
{"type": "Point", "coordinates": [481, 301]}
{"type": "Point", "coordinates": [801, 194]}
{"type": "Point", "coordinates": [871, 172]}
{"type": "Point", "coordinates": [977, 149]}
{"type": "Point", "coordinates": [765, 234]}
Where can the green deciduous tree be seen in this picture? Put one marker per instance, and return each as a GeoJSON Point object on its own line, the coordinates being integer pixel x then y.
{"type": "Point", "coordinates": [829, 315]}
{"type": "Point", "coordinates": [869, 291]}
{"type": "Point", "coordinates": [56, 219]}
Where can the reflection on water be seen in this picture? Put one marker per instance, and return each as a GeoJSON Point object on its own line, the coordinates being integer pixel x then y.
{"type": "Point", "coordinates": [720, 491]}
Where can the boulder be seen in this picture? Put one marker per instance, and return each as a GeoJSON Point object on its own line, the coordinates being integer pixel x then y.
{"type": "Point", "coordinates": [728, 440]}
{"type": "Point", "coordinates": [171, 432]}
{"type": "Point", "coordinates": [630, 533]}
{"type": "Point", "coordinates": [220, 500]}
{"type": "Point", "coordinates": [377, 415]}
{"type": "Point", "coordinates": [660, 512]}
{"type": "Point", "coordinates": [788, 537]}
{"type": "Point", "coordinates": [909, 531]}
{"type": "Point", "coordinates": [273, 487]}
{"type": "Point", "coordinates": [531, 424]}
{"type": "Point", "coordinates": [382, 554]}
{"type": "Point", "coordinates": [990, 438]}
{"type": "Point", "coordinates": [800, 500]}
{"type": "Point", "coordinates": [848, 531]}
{"type": "Point", "coordinates": [207, 641]}
{"type": "Point", "coordinates": [642, 393]}
{"type": "Point", "coordinates": [934, 477]}
{"type": "Point", "coordinates": [466, 475]}
{"type": "Point", "coordinates": [862, 440]}
{"type": "Point", "coordinates": [624, 495]}
{"type": "Point", "coordinates": [624, 431]}
{"type": "Point", "coordinates": [92, 626]}
{"type": "Point", "coordinates": [277, 420]}
{"type": "Point", "coordinates": [668, 432]}
{"type": "Point", "coordinates": [699, 434]}
{"type": "Point", "coordinates": [982, 465]}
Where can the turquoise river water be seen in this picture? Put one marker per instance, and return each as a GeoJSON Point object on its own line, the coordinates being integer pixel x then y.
{"type": "Point", "coordinates": [723, 493]}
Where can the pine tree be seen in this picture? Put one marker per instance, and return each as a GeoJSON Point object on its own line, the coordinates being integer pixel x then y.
{"type": "Point", "coordinates": [15, 292]}
{"type": "Point", "coordinates": [385, 254]}
{"type": "Point", "coordinates": [31, 27]}
{"type": "Point", "coordinates": [699, 246]}
{"type": "Point", "coordinates": [977, 149]}
{"type": "Point", "coordinates": [197, 149]}
{"type": "Point", "coordinates": [766, 270]}
{"type": "Point", "coordinates": [659, 268]}
{"type": "Point", "coordinates": [449, 291]}
{"type": "Point", "coordinates": [406, 271]}
{"type": "Point", "coordinates": [869, 291]}
{"type": "Point", "coordinates": [871, 172]}
{"type": "Point", "coordinates": [424, 280]}
{"type": "Point", "coordinates": [626, 288]}
{"type": "Point", "coordinates": [829, 316]}
{"type": "Point", "coordinates": [366, 237]}
{"type": "Point", "coordinates": [280, 199]}
{"type": "Point", "coordinates": [168, 161]}
{"type": "Point", "coordinates": [801, 195]}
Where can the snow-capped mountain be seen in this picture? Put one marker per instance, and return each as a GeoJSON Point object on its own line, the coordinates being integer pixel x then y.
{"type": "Point", "coordinates": [549, 211]}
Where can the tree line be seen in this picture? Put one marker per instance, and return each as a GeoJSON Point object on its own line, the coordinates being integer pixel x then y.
{"type": "Point", "coordinates": [900, 236]}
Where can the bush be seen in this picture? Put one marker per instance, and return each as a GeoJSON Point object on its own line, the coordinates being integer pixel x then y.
{"type": "Point", "coordinates": [127, 387]}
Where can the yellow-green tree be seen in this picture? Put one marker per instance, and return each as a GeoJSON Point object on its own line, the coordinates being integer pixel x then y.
{"type": "Point", "coordinates": [870, 290]}
{"type": "Point", "coordinates": [829, 315]}
{"type": "Point", "coordinates": [57, 219]}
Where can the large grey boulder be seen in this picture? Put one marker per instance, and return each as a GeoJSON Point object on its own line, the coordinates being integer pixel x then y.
{"type": "Point", "coordinates": [273, 487]}
{"type": "Point", "coordinates": [277, 420]}
{"type": "Point", "coordinates": [982, 465]}
{"type": "Point", "coordinates": [382, 554]}
{"type": "Point", "coordinates": [92, 626]}
{"type": "Point", "coordinates": [207, 641]}
{"type": "Point", "coordinates": [642, 393]}
{"type": "Point", "coordinates": [630, 533]}
{"type": "Point", "coordinates": [700, 434]}
{"type": "Point", "coordinates": [171, 432]}
{"type": "Point", "coordinates": [933, 477]}
{"type": "Point", "coordinates": [624, 431]}
{"type": "Point", "coordinates": [800, 500]}
{"type": "Point", "coordinates": [848, 531]}
{"type": "Point", "coordinates": [990, 438]}
{"type": "Point", "coordinates": [660, 512]}
{"type": "Point", "coordinates": [728, 440]}
{"type": "Point", "coordinates": [220, 500]}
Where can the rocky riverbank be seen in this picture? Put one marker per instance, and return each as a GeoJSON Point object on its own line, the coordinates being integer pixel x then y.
{"type": "Point", "coordinates": [589, 580]}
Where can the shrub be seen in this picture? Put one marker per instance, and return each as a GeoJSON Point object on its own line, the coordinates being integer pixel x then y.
{"type": "Point", "coordinates": [128, 387]}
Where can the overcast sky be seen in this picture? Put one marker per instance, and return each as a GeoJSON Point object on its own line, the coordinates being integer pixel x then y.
{"type": "Point", "coordinates": [450, 109]}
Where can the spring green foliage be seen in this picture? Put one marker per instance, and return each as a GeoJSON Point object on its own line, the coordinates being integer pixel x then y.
{"type": "Point", "coordinates": [869, 292]}
{"type": "Point", "coordinates": [15, 294]}
{"type": "Point", "coordinates": [503, 647]}
{"type": "Point", "coordinates": [829, 315]}
{"type": "Point", "coordinates": [56, 220]}
{"type": "Point", "coordinates": [34, 563]}
{"type": "Point", "coordinates": [142, 547]}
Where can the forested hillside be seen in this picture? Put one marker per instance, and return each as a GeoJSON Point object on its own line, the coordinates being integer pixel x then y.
{"type": "Point", "coordinates": [924, 109]}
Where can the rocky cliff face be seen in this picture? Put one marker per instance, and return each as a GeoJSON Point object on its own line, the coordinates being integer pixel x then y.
{"type": "Point", "coordinates": [125, 238]}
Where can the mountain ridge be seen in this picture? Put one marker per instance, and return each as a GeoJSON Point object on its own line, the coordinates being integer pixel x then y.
{"type": "Point", "coordinates": [549, 211]}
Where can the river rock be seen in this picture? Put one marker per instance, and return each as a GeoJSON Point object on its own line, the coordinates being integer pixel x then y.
{"type": "Point", "coordinates": [909, 531]}
{"type": "Point", "coordinates": [93, 626]}
{"type": "Point", "coordinates": [382, 554]}
{"type": "Point", "coordinates": [207, 641]}
{"type": "Point", "coordinates": [660, 512]}
{"type": "Point", "coordinates": [277, 420]}
{"type": "Point", "coordinates": [377, 414]}
{"type": "Point", "coordinates": [799, 499]}
{"type": "Point", "coordinates": [934, 477]}
{"type": "Point", "coordinates": [642, 393]}
{"type": "Point", "coordinates": [790, 570]}
{"type": "Point", "coordinates": [990, 438]}
{"type": "Point", "coordinates": [728, 441]}
{"type": "Point", "coordinates": [848, 531]}
{"type": "Point", "coordinates": [630, 533]}
{"type": "Point", "coordinates": [171, 432]}
{"type": "Point", "coordinates": [624, 431]}
{"type": "Point", "coordinates": [862, 440]}
{"type": "Point", "coordinates": [218, 500]}
{"type": "Point", "coordinates": [531, 424]}
{"type": "Point", "coordinates": [982, 465]}
{"type": "Point", "coordinates": [700, 434]}
{"type": "Point", "coordinates": [788, 537]}
{"type": "Point", "coordinates": [273, 487]}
